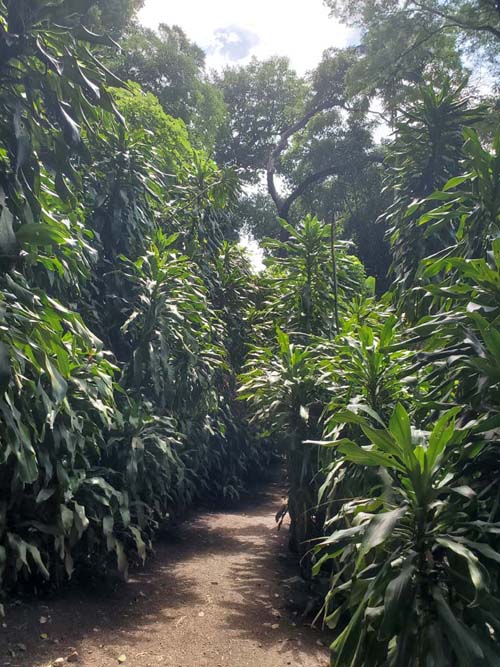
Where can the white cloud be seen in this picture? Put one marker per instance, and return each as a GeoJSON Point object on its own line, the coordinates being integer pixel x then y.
{"type": "Point", "coordinates": [299, 30]}
{"type": "Point", "coordinates": [233, 43]}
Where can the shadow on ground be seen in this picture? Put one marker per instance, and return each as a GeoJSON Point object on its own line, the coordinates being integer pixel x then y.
{"type": "Point", "coordinates": [221, 573]}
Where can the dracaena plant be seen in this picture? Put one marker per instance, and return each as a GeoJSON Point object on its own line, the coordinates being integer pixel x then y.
{"type": "Point", "coordinates": [468, 205]}
{"type": "Point", "coordinates": [104, 436]}
{"type": "Point", "coordinates": [281, 388]}
{"type": "Point", "coordinates": [172, 332]}
{"type": "Point", "coordinates": [57, 404]}
{"type": "Point", "coordinates": [234, 295]}
{"type": "Point", "coordinates": [359, 367]}
{"type": "Point", "coordinates": [457, 343]}
{"type": "Point", "coordinates": [307, 286]}
{"type": "Point", "coordinates": [52, 87]}
{"type": "Point", "coordinates": [416, 580]}
{"type": "Point", "coordinates": [426, 153]}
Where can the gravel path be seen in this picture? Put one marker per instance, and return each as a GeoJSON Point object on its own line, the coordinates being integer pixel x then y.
{"type": "Point", "coordinates": [213, 595]}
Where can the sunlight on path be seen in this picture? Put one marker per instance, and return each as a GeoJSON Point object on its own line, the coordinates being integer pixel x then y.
{"type": "Point", "coordinates": [212, 596]}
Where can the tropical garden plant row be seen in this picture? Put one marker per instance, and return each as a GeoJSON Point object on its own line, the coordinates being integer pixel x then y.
{"type": "Point", "coordinates": [143, 364]}
{"type": "Point", "coordinates": [390, 416]}
{"type": "Point", "coordinates": [122, 311]}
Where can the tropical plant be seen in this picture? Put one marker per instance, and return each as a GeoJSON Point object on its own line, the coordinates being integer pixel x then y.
{"type": "Point", "coordinates": [425, 155]}
{"type": "Point", "coordinates": [117, 402]}
{"type": "Point", "coordinates": [172, 332]}
{"type": "Point", "coordinates": [417, 539]}
{"type": "Point", "coordinates": [311, 276]}
{"type": "Point", "coordinates": [52, 87]}
{"type": "Point", "coordinates": [282, 389]}
{"type": "Point", "coordinates": [416, 568]}
{"type": "Point", "coordinates": [57, 403]}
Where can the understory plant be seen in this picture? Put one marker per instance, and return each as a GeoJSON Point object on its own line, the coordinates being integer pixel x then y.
{"type": "Point", "coordinates": [415, 580]}
{"type": "Point", "coordinates": [411, 542]}
{"type": "Point", "coordinates": [405, 460]}
{"type": "Point", "coordinates": [281, 386]}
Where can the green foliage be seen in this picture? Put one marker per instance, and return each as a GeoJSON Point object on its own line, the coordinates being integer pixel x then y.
{"type": "Point", "coordinates": [130, 324]}
{"type": "Point", "coordinates": [166, 63]}
{"type": "Point", "coordinates": [281, 382]}
{"type": "Point", "coordinates": [344, 154]}
{"type": "Point", "coordinates": [431, 505]}
{"type": "Point", "coordinates": [262, 99]}
{"type": "Point", "coordinates": [281, 386]}
{"type": "Point", "coordinates": [468, 216]}
{"type": "Point", "coordinates": [108, 16]}
{"type": "Point", "coordinates": [117, 398]}
{"type": "Point", "coordinates": [57, 403]}
{"type": "Point", "coordinates": [316, 136]}
{"type": "Point", "coordinates": [171, 330]}
{"type": "Point", "coordinates": [255, 213]}
{"type": "Point", "coordinates": [418, 572]}
{"type": "Point", "coordinates": [42, 115]}
{"type": "Point", "coordinates": [363, 369]}
{"type": "Point", "coordinates": [418, 42]}
{"type": "Point", "coordinates": [427, 152]}
{"type": "Point", "coordinates": [146, 119]}
{"type": "Point", "coordinates": [301, 276]}
{"type": "Point", "coordinates": [392, 420]}
{"type": "Point", "coordinates": [235, 297]}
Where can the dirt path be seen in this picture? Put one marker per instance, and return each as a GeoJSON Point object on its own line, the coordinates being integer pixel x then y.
{"type": "Point", "coordinates": [212, 596]}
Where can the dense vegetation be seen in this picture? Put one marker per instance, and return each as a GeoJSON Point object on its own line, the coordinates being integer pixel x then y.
{"type": "Point", "coordinates": [144, 364]}
{"type": "Point", "coordinates": [123, 310]}
{"type": "Point", "coordinates": [390, 427]}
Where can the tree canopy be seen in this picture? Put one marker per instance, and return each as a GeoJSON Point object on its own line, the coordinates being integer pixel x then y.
{"type": "Point", "coordinates": [146, 364]}
{"type": "Point", "coordinates": [169, 65]}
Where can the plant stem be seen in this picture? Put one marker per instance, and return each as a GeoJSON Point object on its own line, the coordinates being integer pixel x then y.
{"type": "Point", "coordinates": [333, 235]}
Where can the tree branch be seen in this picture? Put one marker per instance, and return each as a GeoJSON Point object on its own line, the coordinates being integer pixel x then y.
{"type": "Point", "coordinates": [459, 23]}
{"type": "Point", "coordinates": [282, 144]}
{"type": "Point", "coordinates": [316, 177]}
{"type": "Point", "coordinates": [284, 208]}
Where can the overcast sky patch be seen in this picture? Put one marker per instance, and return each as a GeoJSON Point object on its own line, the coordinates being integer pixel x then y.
{"type": "Point", "coordinates": [261, 28]}
{"type": "Point", "coordinates": [233, 42]}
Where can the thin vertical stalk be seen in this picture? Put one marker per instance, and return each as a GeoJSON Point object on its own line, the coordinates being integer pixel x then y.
{"type": "Point", "coordinates": [333, 238]}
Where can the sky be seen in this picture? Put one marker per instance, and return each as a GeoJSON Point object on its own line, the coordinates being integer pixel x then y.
{"type": "Point", "coordinates": [232, 31]}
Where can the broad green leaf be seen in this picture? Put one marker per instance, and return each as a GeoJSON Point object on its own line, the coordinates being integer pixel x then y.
{"type": "Point", "coordinates": [368, 457]}
{"type": "Point", "coordinates": [466, 647]}
{"type": "Point", "coordinates": [476, 572]}
{"type": "Point", "coordinates": [59, 384]}
{"type": "Point", "coordinates": [400, 428]}
{"type": "Point", "coordinates": [380, 528]}
{"type": "Point", "coordinates": [398, 597]}
{"type": "Point", "coordinates": [441, 435]}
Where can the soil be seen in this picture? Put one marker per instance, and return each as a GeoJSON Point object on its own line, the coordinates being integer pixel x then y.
{"type": "Point", "coordinates": [217, 593]}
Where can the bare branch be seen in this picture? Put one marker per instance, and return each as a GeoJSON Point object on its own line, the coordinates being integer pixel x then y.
{"type": "Point", "coordinates": [318, 176]}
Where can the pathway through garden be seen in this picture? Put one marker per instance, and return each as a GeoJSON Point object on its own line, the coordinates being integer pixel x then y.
{"type": "Point", "coordinates": [215, 594]}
